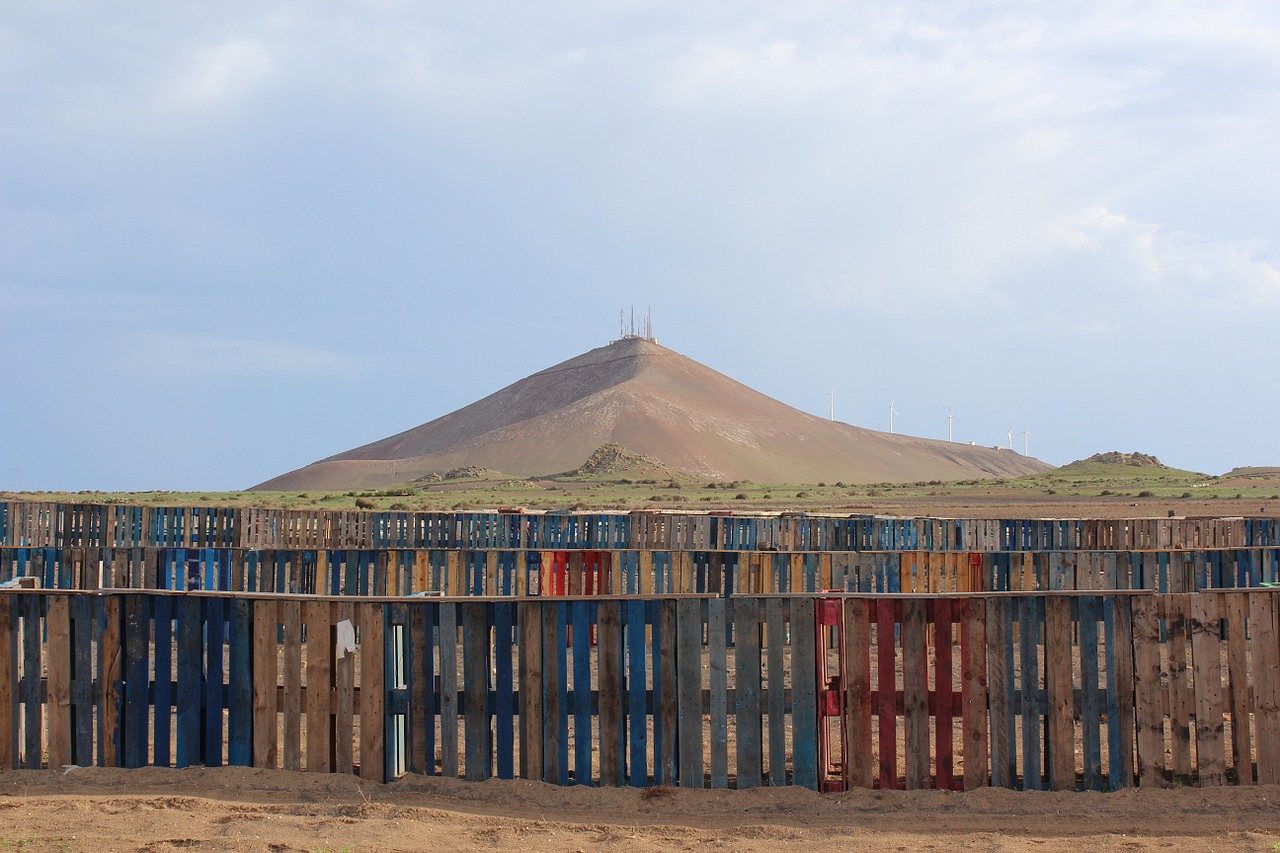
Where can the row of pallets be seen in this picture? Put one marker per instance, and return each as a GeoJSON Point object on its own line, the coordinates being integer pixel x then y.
{"type": "Point", "coordinates": [36, 524]}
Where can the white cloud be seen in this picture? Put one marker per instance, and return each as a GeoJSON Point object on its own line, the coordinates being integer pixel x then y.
{"type": "Point", "coordinates": [1177, 263]}
{"type": "Point", "coordinates": [219, 73]}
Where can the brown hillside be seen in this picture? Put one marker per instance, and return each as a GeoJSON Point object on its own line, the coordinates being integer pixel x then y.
{"type": "Point", "coordinates": [658, 403]}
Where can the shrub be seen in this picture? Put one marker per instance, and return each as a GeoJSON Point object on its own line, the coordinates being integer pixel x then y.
{"type": "Point", "coordinates": [740, 496]}
{"type": "Point", "coordinates": [365, 503]}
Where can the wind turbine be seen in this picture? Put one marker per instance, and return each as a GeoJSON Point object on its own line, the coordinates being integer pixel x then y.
{"type": "Point", "coordinates": [892, 412]}
{"type": "Point", "coordinates": [1011, 436]}
{"type": "Point", "coordinates": [833, 403]}
{"type": "Point", "coordinates": [950, 418]}
{"type": "Point", "coordinates": [1025, 433]}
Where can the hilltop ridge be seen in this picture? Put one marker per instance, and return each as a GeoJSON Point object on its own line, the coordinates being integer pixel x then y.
{"type": "Point", "coordinates": [658, 404]}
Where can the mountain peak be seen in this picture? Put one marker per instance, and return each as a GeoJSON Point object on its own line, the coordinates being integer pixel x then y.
{"type": "Point", "coordinates": [657, 403]}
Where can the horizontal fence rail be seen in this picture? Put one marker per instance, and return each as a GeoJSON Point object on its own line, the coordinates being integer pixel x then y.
{"type": "Point", "coordinates": [467, 572]}
{"type": "Point", "coordinates": [1031, 691]}
{"type": "Point", "coordinates": [60, 525]}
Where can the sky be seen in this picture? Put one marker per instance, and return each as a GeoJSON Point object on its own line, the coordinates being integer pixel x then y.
{"type": "Point", "coordinates": [236, 238]}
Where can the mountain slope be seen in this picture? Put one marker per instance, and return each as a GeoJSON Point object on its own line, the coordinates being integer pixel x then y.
{"type": "Point", "coordinates": [655, 402]}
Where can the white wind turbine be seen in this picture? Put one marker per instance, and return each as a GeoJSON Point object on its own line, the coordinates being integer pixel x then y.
{"type": "Point", "coordinates": [1011, 436]}
{"type": "Point", "coordinates": [1025, 434]}
{"type": "Point", "coordinates": [892, 412]}
{"type": "Point", "coordinates": [950, 418]}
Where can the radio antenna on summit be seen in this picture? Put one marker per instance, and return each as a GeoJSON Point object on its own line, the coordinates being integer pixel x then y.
{"type": "Point", "coordinates": [643, 332]}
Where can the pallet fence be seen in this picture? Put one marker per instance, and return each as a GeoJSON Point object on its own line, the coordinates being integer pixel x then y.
{"type": "Point", "coordinates": [1031, 691]}
{"type": "Point", "coordinates": [34, 524]}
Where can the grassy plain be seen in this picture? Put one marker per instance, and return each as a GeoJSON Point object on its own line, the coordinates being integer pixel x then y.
{"type": "Point", "coordinates": [1082, 489]}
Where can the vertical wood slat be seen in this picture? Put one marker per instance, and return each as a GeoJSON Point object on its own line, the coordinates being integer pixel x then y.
{"type": "Point", "coordinates": [344, 690]}
{"type": "Point", "coordinates": [530, 623]}
{"type": "Point", "coordinates": [1001, 687]}
{"type": "Point", "coordinates": [665, 757]}
{"type": "Point", "coordinates": [973, 651]}
{"type": "Point", "coordinates": [291, 666]}
{"type": "Point", "coordinates": [688, 653]}
{"type": "Point", "coordinates": [1264, 653]}
{"type": "Point", "coordinates": [553, 680]}
{"type": "Point", "coordinates": [320, 650]}
{"type": "Point", "coordinates": [718, 711]}
{"type": "Point", "coordinates": [886, 691]}
{"type": "Point", "coordinates": [610, 691]}
{"type": "Point", "coordinates": [775, 651]}
{"type": "Point", "coordinates": [8, 721]}
{"type": "Point", "coordinates": [944, 695]}
{"type": "Point", "coordinates": [372, 691]}
{"type": "Point", "coordinates": [1176, 607]}
{"type": "Point", "coordinates": [858, 761]}
{"type": "Point", "coordinates": [1058, 653]}
{"type": "Point", "coordinates": [265, 654]}
{"type": "Point", "coordinates": [1120, 710]}
{"type": "Point", "coordinates": [747, 727]}
{"type": "Point", "coordinates": [915, 693]}
{"type": "Point", "coordinates": [1206, 655]}
{"type": "Point", "coordinates": [449, 689]}
{"type": "Point", "coordinates": [637, 714]}
{"type": "Point", "coordinates": [804, 693]}
{"type": "Point", "coordinates": [1237, 613]}
{"type": "Point", "coordinates": [1148, 700]}
{"type": "Point", "coordinates": [109, 674]}
{"type": "Point", "coordinates": [477, 761]}
{"type": "Point", "coordinates": [58, 629]}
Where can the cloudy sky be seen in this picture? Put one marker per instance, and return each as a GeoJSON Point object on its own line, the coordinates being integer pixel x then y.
{"type": "Point", "coordinates": [239, 237]}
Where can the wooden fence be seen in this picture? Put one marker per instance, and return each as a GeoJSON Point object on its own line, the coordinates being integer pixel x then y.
{"type": "Point", "coordinates": [464, 572]}
{"type": "Point", "coordinates": [38, 525]}
{"type": "Point", "coordinates": [1093, 691]}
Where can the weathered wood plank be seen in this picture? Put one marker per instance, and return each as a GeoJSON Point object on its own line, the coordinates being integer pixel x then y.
{"type": "Point", "coordinates": [1120, 692]}
{"type": "Point", "coordinates": [886, 690]}
{"type": "Point", "coordinates": [859, 761]}
{"type": "Point", "coordinates": [689, 624]}
{"type": "Point", "coordinates": [1237, 614]}
{"type": "Point", "coordinates": [1000, 677]}
{"type": "Point", "coordinates": [478, 746]}
{"type": "Point", "coordinates": [1148, 690]}
{"type": "Point", "coordinates": [319, 685]}
{"type": "Point", "coordinates": [372, 692]}
{"type": "Point", "coordinates": [58, 631]}
{"type": "Point", "coordinates": [449, 689]}
{"type": "Point", "coordinates": [776, 646]}
{"type": "Point", "coordinates": [637, 695]}
{"type": "Point", "coordinates": [1058, 649]}
{"type": "Point", "coordinates": [190, 681]}
{"type": "Point", "coordinates": [804, 694]}
{"type": "Point", "coordinates": [291, 669]}
{"type": "Point", "coordinates": [915, 693]}
{"type": "Point", "coordinates": [944, 695]}
{"type": "Point", "coordinates": [666, 722]}
{"type": "Point", "coordinates": [1206, 654]}
{"type": "Point", "coordinates": [530, 619]}
{"type": "Point", "coordinates": [973, 650]}
{"type": "Point", "coordinates": [265, 653]}
{"type": "Point", "coordinates": [610, 682]}
{"type": "Point", "coordinates": [719, 714]}
{"type": "Point", "coordinates": [1180, 695]}
{"type": "Point", "coordinates": [1264, 654]}
{"type": "Point", "coordinates": [344, 681]}
{"type": "Point", "coordinates": [746, 619]}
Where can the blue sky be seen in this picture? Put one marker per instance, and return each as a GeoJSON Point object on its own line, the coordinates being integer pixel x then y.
{"type": "Point", "coordinates": [239, 237]}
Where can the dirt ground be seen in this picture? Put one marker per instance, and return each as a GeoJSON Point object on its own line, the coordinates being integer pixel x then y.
{"type": "Point", "coordinates": [237, 809]}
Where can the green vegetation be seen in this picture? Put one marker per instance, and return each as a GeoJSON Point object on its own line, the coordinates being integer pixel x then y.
{"type": "Point", "coordinates": [1144, 490]}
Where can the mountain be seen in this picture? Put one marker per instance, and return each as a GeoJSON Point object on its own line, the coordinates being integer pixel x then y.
{"type": "Point", "coordinates": [658, 403]}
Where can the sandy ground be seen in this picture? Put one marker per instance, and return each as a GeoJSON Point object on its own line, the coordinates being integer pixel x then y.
{"type": "Point", "coordinates": [238, 809]}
